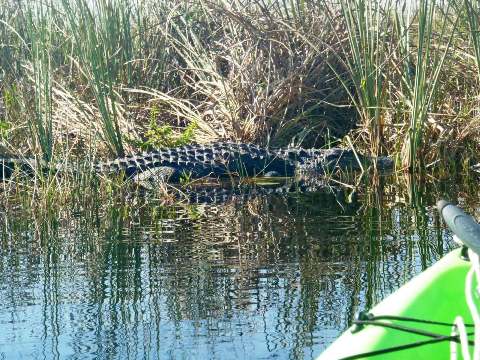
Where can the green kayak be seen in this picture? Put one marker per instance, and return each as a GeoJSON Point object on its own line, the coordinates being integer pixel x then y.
{"type": "Point", "coordinates": [415, 322]}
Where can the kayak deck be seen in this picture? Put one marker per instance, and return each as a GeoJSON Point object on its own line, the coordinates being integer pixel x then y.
{"type": "Point", "coordinates": [437, 294]}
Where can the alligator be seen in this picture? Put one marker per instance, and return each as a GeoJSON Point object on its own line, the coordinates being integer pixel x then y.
{"type": "Point", "coordinates": [219, 160]}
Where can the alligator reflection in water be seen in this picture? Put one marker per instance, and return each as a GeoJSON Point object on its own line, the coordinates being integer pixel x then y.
{"type": "Point", "coordinates": [276, 275]}
{"type": "Point", "coordinates": [240, 192]}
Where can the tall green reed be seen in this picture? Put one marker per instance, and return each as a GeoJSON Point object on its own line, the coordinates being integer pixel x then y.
{"type": "Point", "coordinates": [103, 44]}
{"type": "Point", "coordinates": [420, 78]}
{"type": "Point", "coordinates": [13, 49]}
{"type": "Point", "coordinates": [40, 30]}
{"type": "Point", "coordinates": [472, 14]}
{"type": "Point", "coordinates": [365, 60]}
{"type": "Point", "coordinates": [291, 10]}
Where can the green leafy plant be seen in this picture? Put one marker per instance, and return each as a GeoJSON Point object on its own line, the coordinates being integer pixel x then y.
{"type": "Point", "coordinates": [164, 136]}
{"type": "Point", "coordinates": [158, 136]}
{"type": "Point", "coordinates": [185, 178]}
{"type": "Point", "coordinates": [4, 129]}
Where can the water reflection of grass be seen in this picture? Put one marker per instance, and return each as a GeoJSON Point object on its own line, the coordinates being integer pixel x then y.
{"type": "Point", "coordinates": [300, 264]}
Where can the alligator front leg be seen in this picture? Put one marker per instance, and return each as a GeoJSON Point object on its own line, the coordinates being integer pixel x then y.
{"type": "Point", "coordinates": [151, 178]}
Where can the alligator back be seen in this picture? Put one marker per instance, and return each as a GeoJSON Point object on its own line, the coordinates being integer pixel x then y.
{"type": "Point", "coordinates": [195, 161]}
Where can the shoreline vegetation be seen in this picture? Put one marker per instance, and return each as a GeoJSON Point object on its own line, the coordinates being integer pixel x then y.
{"type": "Point", "coordinates": [98, 79]}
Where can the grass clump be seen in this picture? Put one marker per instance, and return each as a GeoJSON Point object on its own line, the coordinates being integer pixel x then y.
{"type": "Point", "coordinates": [39, 25]}
{"type": "Point", "coordinates": [423, 84]}
{"type": "Point", "coordinates": [365, 56]}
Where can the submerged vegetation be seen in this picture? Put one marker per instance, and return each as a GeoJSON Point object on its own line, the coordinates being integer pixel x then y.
{"type": "Point", "coordinates": [97, 79]}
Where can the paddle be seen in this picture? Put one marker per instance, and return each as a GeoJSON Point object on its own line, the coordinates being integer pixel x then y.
{"type": "Point", "coordinates": [463, 225]}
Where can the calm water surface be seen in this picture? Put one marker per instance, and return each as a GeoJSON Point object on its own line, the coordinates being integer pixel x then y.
{"type": "Point", "coordinates": [272, 277]}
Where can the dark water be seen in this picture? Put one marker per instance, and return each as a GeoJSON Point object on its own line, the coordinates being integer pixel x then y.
{"type": "Point", "coordinates": [273, 277]}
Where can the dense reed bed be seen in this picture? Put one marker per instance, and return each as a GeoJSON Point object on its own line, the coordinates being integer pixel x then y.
{"type": "Point", "coordinates": [97, 79]}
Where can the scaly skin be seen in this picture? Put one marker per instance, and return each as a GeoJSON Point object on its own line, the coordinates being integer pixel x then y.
{"type": "Point", "coordinates": [218, 160]}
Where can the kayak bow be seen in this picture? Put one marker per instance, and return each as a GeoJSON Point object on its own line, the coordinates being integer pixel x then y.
{"type": "Point", "coordinates": [415, 322]}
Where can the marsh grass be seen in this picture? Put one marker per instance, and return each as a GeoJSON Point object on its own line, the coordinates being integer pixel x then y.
{"type": "Point", "coordinates": [83, 80]}
{"type": "Point", "coordinates": [39, 27]}
{"type": "Point", "coordinates": [472, 13]}
{"type": "Point", "coordinates": [103, 45]}
{"type": "Point", "coordinates": [365, 56]}
{"type": "Point", "coordinates": [423, 84]}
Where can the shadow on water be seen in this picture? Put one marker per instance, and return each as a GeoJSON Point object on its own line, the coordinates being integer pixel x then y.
{"type": "Point", "coordinates": [277, 276]}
